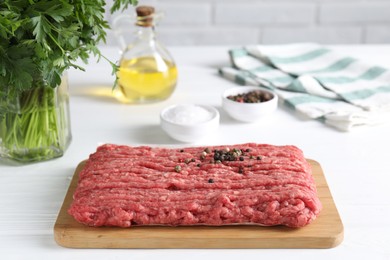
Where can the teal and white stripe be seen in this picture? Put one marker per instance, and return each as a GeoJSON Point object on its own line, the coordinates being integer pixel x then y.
{"type": "Point", "coordinates": [316, 81]}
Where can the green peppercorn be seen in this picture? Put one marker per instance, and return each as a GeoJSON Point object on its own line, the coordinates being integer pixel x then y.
{"type": "Point", "coordinates": [178, 168]}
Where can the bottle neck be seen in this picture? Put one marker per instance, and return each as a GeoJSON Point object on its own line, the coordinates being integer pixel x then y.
{"type": "Point", "coordinates": [146, 33]}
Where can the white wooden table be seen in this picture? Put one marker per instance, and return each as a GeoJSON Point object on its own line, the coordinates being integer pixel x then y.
{"type": "Point", "coordinates": [356, 164]}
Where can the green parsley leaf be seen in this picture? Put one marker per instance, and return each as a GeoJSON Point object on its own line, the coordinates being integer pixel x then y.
{"type": "Point", "coordinates": [40, 39]}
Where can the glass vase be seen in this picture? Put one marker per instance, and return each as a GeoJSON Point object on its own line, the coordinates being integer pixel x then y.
{"type": "Point", "coordinates": [35, 125]}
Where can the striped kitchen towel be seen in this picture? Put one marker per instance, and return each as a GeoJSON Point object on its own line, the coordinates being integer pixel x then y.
{"type": "Point", "coordinates": [317, 82]}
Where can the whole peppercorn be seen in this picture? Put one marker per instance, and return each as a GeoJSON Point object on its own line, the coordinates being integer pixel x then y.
{"type": "Point", "coordinates": [187, 161]}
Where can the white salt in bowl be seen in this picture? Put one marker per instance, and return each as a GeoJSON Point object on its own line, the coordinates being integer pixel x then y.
{"type": "Point", "coordinates": [249, 112]}
{"type": "Point", "coordinates": [189, 123]}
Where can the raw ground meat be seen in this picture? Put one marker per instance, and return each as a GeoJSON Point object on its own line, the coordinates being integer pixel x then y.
{"type": "Point", "coordinates": [250, 183]}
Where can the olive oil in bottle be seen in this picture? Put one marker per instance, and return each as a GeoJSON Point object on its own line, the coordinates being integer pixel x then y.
{"type": "Point", "coordinates": [147, 72]}
{"type": "Point", "coordinates": [145, 79]}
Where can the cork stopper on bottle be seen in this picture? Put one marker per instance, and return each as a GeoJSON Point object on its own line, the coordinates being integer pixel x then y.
{"type": "Point", "coordinates": [145, 15]}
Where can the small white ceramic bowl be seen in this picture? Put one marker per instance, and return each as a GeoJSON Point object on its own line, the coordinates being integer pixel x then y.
{"type": "Point", "coordinates": [189, 123]}
{"type": "Point", "coordinates": [248, 112]}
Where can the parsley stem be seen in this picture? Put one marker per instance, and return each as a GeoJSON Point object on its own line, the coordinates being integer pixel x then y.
{"type": "Point", "coordinates": [39, 130]}
{"type": "Point", "coordinates": [55, 41]}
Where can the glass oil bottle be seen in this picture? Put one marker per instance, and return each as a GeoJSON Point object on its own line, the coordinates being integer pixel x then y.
{"type": "Point", "coordinates": [147, 72]}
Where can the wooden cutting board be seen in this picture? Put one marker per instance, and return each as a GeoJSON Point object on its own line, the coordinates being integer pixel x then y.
{"type": "Point", "coordinates": [325, 232]}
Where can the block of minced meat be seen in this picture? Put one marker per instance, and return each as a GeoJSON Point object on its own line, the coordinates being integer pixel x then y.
{"type": "Point", "coordinates": [254, 184]}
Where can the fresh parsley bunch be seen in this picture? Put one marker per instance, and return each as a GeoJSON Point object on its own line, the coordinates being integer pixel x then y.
{"type": "Point", "coordinates": [40, 39]}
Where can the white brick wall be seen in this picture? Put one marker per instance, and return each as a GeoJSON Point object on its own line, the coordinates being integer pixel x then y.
{"type": "Point", "coordinates": [239, 22]}
{"type": "Point", "coordinates": [264, 14]}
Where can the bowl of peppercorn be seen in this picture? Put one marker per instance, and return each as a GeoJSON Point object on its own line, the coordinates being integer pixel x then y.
{"type": "Point", "coordinates": [249, 104]}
